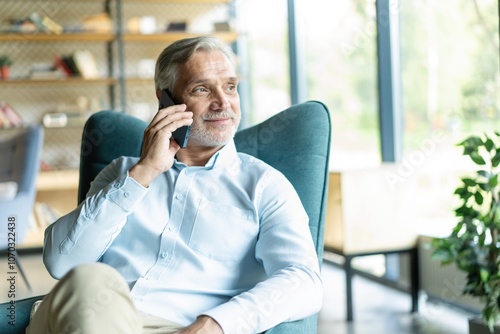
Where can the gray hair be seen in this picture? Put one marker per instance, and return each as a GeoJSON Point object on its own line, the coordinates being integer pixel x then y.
{"type": "Point", "coordinates": [179, 52]}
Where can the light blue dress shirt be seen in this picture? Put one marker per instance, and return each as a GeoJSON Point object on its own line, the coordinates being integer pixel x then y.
{"type": "Point", "coordinates": [229, 239]}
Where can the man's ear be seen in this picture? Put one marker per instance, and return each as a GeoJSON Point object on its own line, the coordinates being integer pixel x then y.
{"type": "Point", "coordinates": [158, 94]}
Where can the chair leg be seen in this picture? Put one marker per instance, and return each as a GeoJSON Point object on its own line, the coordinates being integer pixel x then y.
{"type": "Point", "coordinates": [348, 285]}
{"type": "Point", "coordinates": [21, 271]}
{"type": "Point", "coordinates": [414, 279]}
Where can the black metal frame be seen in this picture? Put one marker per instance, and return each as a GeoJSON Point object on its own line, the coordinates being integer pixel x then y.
{"type": "Point", "coordinates": [389, 82]}
{"type": "Point", "coordinates": [350, 271]}
{"type": "Point", "coordinates": [110, 56]}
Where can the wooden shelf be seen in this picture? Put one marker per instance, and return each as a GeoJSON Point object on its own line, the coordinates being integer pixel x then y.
{"type": "Point", "coordinates": [90, 37]}
{"type": "Point", "coordinates": [171, 37]}
{"type": "Point", "coordinates": [61, 81]}
{"type": "Point", "coordinates": [66, 37]}
{"type": "Point", "coordinates": [140, 81]}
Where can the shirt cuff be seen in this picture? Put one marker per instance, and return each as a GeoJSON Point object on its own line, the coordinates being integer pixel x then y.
{"type": "Point", "coordinates": [126, 192]}
{"type": "Point", "coordinates": [229, 320]}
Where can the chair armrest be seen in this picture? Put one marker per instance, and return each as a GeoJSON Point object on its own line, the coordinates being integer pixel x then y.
{"type": "Point", "coordinates": [304, 326]}
{"type": "Point", "coordinates": [16, 317]}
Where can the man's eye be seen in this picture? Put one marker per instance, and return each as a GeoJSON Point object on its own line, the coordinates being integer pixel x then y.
{"type": "Point", "coordinates": [200, 90]}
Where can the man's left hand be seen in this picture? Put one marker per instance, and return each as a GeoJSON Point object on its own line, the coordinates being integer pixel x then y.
{"type": "Point", "coordinates": [203, 325]}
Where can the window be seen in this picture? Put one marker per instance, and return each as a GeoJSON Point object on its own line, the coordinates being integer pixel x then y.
{"type": "Point", "coordinates": [340, 51]}
{"type": "Point", "coordinates": [340, 64]}
{"type": "Point", "coordinates": [450, 74]}
{"type": "Point", "coordinates": [265, 28]}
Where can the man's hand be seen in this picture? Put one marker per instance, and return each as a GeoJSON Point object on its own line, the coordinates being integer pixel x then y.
{"type": "Point", "coordinates": [158, 148]}
{"type": "Point", "coordinates": [203, 325]}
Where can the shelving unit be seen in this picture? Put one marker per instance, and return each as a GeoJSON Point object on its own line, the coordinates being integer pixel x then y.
{"type": "Point", "coordinates": [59, 81]}
{"type": "Point", "coordinates": [66, 37]}
{"type": "Point", "coordinates": [120, 86]}
{"type": "Point", "coordinates": [171, 37]}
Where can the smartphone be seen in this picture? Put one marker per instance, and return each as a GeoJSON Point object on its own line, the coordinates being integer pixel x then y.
{"type": "Point", "coordinates": [181, 135]}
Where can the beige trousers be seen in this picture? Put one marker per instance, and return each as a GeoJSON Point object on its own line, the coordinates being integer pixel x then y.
{"type": "Point", "coordinates": [93, 299]}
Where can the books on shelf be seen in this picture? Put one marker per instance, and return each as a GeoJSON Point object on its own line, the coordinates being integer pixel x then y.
{"type": "Point", "coordinates": [63, 66]}
{"type": "Point", "coordinates": [9, 118]}
{"type": "Point", "coordinates": [35, 23]}
{"type": "Point", "coordinates": [45, 24]}
{"type": "Point", "coordinates": [45, 71]}
{"type": "Point", "coordinates": [86, 64]}
{"type": "Point", "coordinates": [81, 63]}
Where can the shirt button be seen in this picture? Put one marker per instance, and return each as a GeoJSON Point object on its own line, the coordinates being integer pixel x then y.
{"type": "Point", "coordinates": [178, 196]}
{"type": "Point", "coordinates": [164, 255]}
{"type": "Point", "coordinates": [126, 194]}
{"type": "Point", "coordinates": [117, 185]}
{"type": "Point", "coordinates": [170, 228]}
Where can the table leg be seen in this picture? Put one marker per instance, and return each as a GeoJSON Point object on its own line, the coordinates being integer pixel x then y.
{"type": "Point", "coordinates": [414, 279]}
{"type": "Point", "coordinates": [348, 285]}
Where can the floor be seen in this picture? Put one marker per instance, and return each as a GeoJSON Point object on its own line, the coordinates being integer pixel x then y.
{"type": "Point", "coordinates": [377, 309]}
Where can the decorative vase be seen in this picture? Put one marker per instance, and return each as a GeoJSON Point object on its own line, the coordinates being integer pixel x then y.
{"type": "Point", "coordinates": [478, 326]}
{"type": "Point", "coordinates": [4, 72]}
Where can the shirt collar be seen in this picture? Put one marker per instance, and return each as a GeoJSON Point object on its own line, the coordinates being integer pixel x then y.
{"type": "Point", "coordinates": [227, 155]}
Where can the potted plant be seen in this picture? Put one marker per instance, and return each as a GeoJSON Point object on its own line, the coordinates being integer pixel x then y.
{"type": "Point", "coordinates": [474, 243]}
{"type": "Point", "coordinates": [5, 63]}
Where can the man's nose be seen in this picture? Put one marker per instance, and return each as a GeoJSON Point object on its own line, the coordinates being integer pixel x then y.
{"type": "Point", "coordinates": [220, 101]}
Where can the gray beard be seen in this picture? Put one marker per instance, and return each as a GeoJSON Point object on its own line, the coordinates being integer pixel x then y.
{"type": "Point", "coordinates": [201, 136]}
{"type": "Point", "coordinates": [204, 137]}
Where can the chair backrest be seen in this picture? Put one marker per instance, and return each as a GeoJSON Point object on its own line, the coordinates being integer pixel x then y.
{"type": "Point", "coordinates": [296, 142]}
{"type": "Point", "coordinates": [20, 163]}
{"type": "Point", "coordinates": [107, 135]}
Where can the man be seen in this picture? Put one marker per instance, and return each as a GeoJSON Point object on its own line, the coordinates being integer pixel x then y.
{"type": "Point", "coordinates": [195, 240]}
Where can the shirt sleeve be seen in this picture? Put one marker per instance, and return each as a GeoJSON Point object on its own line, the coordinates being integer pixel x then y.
{"type": "Point", "coordinates": [293, 289]}
{"type": "Point", "coordinates": [84, 234]}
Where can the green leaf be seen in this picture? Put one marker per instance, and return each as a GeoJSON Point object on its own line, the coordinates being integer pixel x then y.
{"type": "Point", "coordinates": [468, 150]}
{"type": "Point", "coordinates": [462, 211]}
{"type": "Point", "coordinates": [483, 186]}
{"type": "Point", "coordinates": [469, 182]}
{"type": "Point", "coordinates": [477, 158]}
{"type": "Point", "coordinates": [445, 256]}
{"type": "Point", "coordinates": [478, 198]}
{"type": "Point", "coordinates": [471, 145]}
{"type": "Point", "coordinates": [460, 191]}
{"type": "Point", "coordinates": [489, 144]}
{"type": "Point", "coordinates": [483, 173]}
{"type": "Point", "coordinates": [491, 323]}
{"type": "Point", "coordinates": [493, 182]}
{"type": "Point", "coordinates": [495, 161]}
{"type": "Point", "coordinates": [473, 141]}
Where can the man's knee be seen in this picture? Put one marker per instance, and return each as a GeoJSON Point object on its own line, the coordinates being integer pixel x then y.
{"type": "Point", "coordinates": [96, 283]}
{"type": "Point", "coordinates": [95, 276]}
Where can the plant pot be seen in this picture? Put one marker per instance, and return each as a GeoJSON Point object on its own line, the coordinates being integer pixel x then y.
{"type": "Point", "coordinates": [4, 72]}
{"type": "Point", "coordinates": [478, 326]}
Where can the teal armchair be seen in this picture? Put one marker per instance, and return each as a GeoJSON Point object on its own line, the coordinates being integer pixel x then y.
{"type": "Point", "coordinates": [295, 141]}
